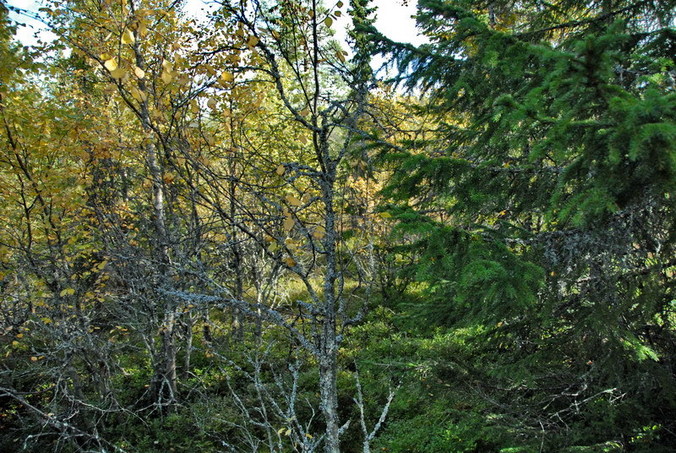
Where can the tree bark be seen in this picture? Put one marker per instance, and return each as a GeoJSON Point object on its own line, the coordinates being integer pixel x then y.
{"type": "Point", "coordinates": [165, 372]}
{"type": "Point", "coordinates": [328, 391]}
{"type": "Point", "coordinates": [328, 360]}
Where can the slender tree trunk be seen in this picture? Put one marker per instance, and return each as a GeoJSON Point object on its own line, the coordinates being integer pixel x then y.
{"type": "Point", "coordinates": [328, 391]}
{"type": "Point", "coordinates": [328, 360]}
{"type": "Point", "coordinates": [189, 338]}
{"type": "Point", "coordinates": [168, 369]}
{"type": "Point", "coordinates": [237, 327]}
{"type": "Point", "coordinates": [165, 372]}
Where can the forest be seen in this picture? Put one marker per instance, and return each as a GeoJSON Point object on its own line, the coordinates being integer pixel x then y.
{"type": "Point", "coordinates": [240, 232]}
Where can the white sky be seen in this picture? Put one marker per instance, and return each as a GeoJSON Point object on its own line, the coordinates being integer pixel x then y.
{"type": "Point", "coordinates": [393, 20]}
{"type": "Point", "coordinates": [26, 33]}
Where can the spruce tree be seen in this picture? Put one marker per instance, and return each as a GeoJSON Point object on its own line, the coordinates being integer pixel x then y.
{"type": "Point", "coordinates": [540, 204]}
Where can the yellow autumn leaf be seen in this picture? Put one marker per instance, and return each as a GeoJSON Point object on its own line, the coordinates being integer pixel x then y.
{"type": "Point", "coordinates": [127, 37]}
{"type": "Point", "coordinates": [340, 56]}
{"type": "Point", "coordinates": [293, 201]}
{"type": "Point", "coordinates": [288, 223]}
{"type": "Point", "coordinates": [228, 77]}
{"type": "Point", "coordinates": [252, 41]}
{"type": "Point", "coordinates": [137, 94]}
{"type": "Point", "coordinates": [183, 79]}
{"type": "Point", "coordinates": [305, 111]}
{"type": "Point", "coordinates": [211, 103]}
{"type": "Point", "coordinates": [289, 261]}
{"type": "Point", "coordinates": [339, 4]}
{"type": "Point", "coordinates": [280, 170]}
{"type": "Point", "coordinates": [67, 292]}
{"type": "Point", "coordinates": [34, 359]}
{"type": "Point", "coordinates": [142, 29]}
{"type": "Point", "coordinates": [273, 247]}
{"type": "Point", "coordinates": [328, 21]}
{"type": "Point", "coordinates": [319, 233]}
{"type": "Point", "coordinates": [385, 215]}
{"type": "Point", "coordinates": [118, 73]}
{"type": "Point", "coordinates": [110, 64]}
{"type": "Point", "coordinates": [167, 76]}
{"type": "Point", "coordinates": [233, 58]}
{"type": "Point", "coordinates": [140, 73]}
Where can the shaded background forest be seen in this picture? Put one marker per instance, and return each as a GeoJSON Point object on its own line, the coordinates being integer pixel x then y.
{"type": "Point", "coordinates": [234, 234]}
